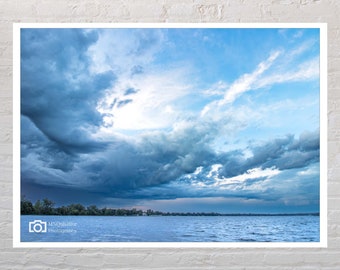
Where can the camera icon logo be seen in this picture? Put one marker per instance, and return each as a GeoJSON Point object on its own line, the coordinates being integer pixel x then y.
{"type": "Point", "coordinates": [37, 226]}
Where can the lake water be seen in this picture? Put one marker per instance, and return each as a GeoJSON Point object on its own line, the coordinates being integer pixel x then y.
{"type": "Point", "coordinates": [170, 229]}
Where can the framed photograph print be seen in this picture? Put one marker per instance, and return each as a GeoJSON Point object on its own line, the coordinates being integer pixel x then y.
{"type": "Point", "coordinates": [170, 135]}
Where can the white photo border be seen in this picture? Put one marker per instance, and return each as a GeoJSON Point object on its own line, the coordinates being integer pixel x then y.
{"type": "Point", "coordinates": [323, 140]}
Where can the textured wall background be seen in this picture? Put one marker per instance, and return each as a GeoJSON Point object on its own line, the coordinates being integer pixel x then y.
{"type": "Point", "coordinates": [170, 11]}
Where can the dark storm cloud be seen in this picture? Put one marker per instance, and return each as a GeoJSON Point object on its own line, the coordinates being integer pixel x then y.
{"type": "Point", "coordinates": [158, 166]}
{"type": "Point", "coordinates": [157, 159]}
{"type": "Point", "coordinates": [58, 92]}
{"type": "Point", "coordinates": [288, 154]}
{"type": "Point", "coordinates": [281, 153]}
{"type": "Point", "coordinates": [39, 154]}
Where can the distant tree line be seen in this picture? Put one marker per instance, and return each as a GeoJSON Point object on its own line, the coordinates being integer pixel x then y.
{"type": "Point", "coordinates": [46, 207]}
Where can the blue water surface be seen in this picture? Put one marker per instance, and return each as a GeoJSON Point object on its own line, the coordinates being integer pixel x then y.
{"type": "Point", "coordinates": [170, 229]}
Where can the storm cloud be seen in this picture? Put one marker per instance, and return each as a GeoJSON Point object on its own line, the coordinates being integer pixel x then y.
{"type": "Point", "coordinates": [282, 153]}
{"type": "Point", "coordinates": [59, 94]}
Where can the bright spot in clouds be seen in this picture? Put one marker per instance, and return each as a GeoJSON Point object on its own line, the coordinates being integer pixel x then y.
{"type": "Point", "coordinates": [250, 174]}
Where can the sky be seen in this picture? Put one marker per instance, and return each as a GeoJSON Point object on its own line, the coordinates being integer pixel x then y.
{"type": "Point", "coordinates": [180, 119]}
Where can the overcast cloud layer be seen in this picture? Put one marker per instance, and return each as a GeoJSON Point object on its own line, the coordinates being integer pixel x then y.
{"type": "Point", "coordinates": [223, 120]}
